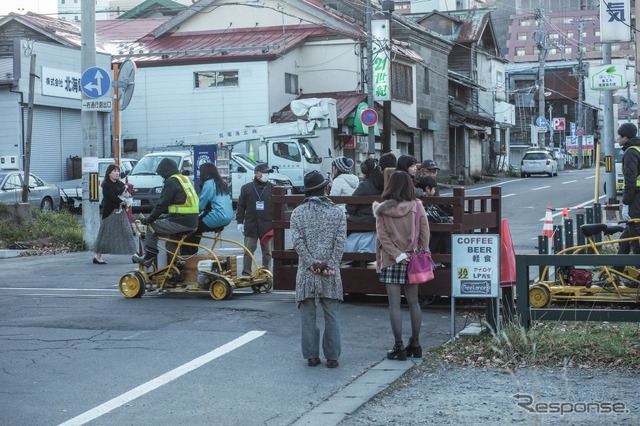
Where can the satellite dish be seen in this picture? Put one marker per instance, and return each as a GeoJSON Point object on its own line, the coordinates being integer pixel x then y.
{"type": "Point", "coordinates": [126, 83]}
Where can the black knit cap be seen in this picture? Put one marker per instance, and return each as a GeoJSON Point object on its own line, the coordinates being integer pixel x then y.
{"type": "Point", "coordinates": [628, 130]}
{"type": "Point", "coordinates": [314, 180]}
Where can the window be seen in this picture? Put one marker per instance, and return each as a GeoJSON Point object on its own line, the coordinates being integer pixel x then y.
{"type": "Point", "coordinates": [290, 83]}
{"type": "Point", "coordinates": [427, 78]}
{"type": "Point", "coordinates": [520, 51]}
{"type": "Point", "coordinates": [287, 150]}
{"type": "Point", "coordinates": [526, 23]}
{"type": "Point", "coordinates": [567, 50]}
{"type": "Point", "coordinates": [401, 82]}
{"type": "Point", "coordinates": [554, 36]}
{"type": "Point", "coordinates": [204, 79]}
{"type": "Point", "coordinates": [522, 36]}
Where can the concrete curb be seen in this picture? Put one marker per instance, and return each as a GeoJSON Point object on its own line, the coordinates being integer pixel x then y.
{"type": "Point", "coordinates": [8, 254]}
{"type": "Point", "coordinates": [347, 400]}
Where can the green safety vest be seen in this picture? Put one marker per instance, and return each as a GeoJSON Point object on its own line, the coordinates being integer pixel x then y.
{"type": "Point", "coordinates": [190, 205]}
{"type": "Point", "coordinates": [637, 148]}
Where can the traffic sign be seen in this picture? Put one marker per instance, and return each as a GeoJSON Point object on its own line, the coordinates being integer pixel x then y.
{"type": "Point", "coordinates": [541, 122]}
{"type": "Point", "coordinates": [580, 131]}
{"type": "Point", "coordinates": [369, 117]}
{"type": "Point", "coordinates": [95, 82]}
{"type": "Point", "coordinates": [559, 123]}
{"type": "Point", "coordinates": [103, 104]}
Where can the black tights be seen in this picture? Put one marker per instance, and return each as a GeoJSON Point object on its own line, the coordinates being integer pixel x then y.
{"type": "Point", "coordinates": [394, 293]}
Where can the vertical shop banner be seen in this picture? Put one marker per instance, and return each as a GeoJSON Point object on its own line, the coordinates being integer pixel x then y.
{"type": "Point", "coordinates": [381, 59]}
{"type": "Point", "coordinates": [202, 154]}
{"type": "Point", "coordinates": [615, 20]}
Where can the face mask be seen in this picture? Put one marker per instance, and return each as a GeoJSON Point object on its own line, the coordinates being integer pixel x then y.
{"type": "Point", "coordinates": [262, 179]}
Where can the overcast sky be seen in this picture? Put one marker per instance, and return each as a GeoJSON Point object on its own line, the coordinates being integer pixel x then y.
{"type": "Point", "coordinates": [23, 6]}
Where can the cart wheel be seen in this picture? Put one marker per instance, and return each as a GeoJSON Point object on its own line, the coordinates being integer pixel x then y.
{"type": "Point", "coordinates": [132, 284]}
{"type": "Point", "coordinates": [428, 300]}
{"type": "Point", "coordinates": [268, 284]}
{"type": "Point", "coordinates": [220, 290]}
{"type": "Point", "coordinates": [539, 296]}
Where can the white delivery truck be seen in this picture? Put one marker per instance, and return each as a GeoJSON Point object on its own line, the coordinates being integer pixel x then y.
{"type": "Point", "coordinates": [148, 184]}
{"type": "Point", "coordinates": [293, 148]}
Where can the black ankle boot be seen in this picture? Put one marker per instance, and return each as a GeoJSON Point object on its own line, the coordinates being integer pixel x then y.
{"type": "Point", "coordinates": [398, 352]}
{"type": "Point", "coordinates": [413, 350]}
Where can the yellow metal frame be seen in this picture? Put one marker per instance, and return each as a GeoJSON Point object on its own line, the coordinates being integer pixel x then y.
{"type": "Point", "coordinates": [166, 278]}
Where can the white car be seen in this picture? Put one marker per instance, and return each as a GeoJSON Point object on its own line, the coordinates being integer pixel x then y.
{"type": "Point", "coordinates": [538, 162]}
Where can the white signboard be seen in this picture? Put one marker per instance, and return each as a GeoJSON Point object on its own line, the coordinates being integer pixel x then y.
{"type": "Point", "coordinates": [608, 77]}
{"type": "Point", "coordinates": [89, 165]}
{"type": "Point", "coordinates": [60, 83]}
{"type": "Point", "coordinates": [381, 60]}
{"type": "Point", "coordinates": [475, 265]}
{"type": "Point", "coordinates": [615, 20]}
{"type": "Point", "coordinates": [100, 104]}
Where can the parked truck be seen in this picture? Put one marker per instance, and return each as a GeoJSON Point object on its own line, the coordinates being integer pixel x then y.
{"type": "Point", "coordinates": [292, 148]}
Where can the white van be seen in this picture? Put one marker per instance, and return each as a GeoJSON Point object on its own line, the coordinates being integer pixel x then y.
{"type": "Point", "coordinates": [148, 185]}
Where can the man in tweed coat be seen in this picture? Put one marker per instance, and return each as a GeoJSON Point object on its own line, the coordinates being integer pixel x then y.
{"type": "Point", "coordinates": [318, 231]}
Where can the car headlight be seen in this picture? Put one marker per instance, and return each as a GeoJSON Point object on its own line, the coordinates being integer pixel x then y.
{"type": "Point", "coordinates": [158, 190]}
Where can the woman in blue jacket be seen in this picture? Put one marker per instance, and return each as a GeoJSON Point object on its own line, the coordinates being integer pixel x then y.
{"type": "Point", "coordinates": [216, 210]}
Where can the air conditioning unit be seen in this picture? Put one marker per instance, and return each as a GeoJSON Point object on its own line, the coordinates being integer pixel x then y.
{"type": "Point", "coordinates": [9, 162]}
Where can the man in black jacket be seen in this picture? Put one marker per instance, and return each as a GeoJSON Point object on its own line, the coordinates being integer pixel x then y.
{"type": "Point", "coordinates": [255, 216]}
{"type": "Point", "coordinates": [176, 211]}
{"type": "Point", "coordinates": [631, 194]}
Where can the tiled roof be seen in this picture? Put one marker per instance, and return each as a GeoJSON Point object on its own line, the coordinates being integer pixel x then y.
{"type": "Point", "coordinates": [126, 30]}
{"type": "Point", "coordinates": [346, 102]}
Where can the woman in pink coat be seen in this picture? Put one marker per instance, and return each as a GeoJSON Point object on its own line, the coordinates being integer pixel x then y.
{"type": "Point", "coordinates": [395, 223]}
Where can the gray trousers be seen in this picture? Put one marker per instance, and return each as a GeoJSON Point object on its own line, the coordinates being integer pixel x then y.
{"type": "Point", "coordinates": [163, 227]}
{"type": "Point", "coordinates": [331, 346]}
{"type": "Point", "coordinates": [251, 243]}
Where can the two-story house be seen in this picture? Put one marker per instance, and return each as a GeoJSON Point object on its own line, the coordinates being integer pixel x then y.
{"type": "Point", "coordinates": [479, 116]}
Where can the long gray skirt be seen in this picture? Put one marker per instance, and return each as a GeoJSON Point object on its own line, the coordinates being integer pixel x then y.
{"type": "Point", "coordinates": [115, 235]}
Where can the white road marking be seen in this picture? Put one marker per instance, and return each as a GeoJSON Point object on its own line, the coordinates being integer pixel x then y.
{"type": "Point", "coordinates": [541, 187]}
{"type": "Point", "coordinates": [151, 385]}
{"type": "Point", "coordinates": [509, 195]}
{"type": "Point", "coordinates": [569, 181]}
{"type": "Point", "coordinates": [576, 206]}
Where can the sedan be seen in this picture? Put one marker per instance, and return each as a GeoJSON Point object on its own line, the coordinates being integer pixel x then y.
{"type": "Point", "coordinates": [538, 162]}
{"type": "Point", "coordinates": [42, 195]}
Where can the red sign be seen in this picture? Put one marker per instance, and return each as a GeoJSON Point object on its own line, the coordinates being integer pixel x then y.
{"type": "Point", "coordinates": [369, 117]}
{"type": "Point", "coordinates": [559, 124]}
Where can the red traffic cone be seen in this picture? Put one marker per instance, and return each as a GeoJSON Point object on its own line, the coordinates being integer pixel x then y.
{"type": "Point", "coordinates": [547, 229]}
{"type": "Point", "coordinates": [507, 257]}
{"type": "Point", "coordinates": [565, 212]}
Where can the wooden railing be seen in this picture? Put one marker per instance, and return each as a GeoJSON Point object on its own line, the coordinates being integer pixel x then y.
{"type": "Point", "coordinates": [479, 214]}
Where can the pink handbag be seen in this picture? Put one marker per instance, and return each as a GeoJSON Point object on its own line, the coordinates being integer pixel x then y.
{"type": "Point", "coordinates": [421, 266]}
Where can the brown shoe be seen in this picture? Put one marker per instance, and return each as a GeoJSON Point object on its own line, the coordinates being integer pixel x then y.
{"type": "Point", "coordinates": [312, 362]}
{"type": "Point", "coordinates": [332, 363]}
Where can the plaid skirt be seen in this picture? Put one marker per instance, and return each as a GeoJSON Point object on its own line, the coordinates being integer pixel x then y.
{"type": "Point", "coordinates": [394, 274]}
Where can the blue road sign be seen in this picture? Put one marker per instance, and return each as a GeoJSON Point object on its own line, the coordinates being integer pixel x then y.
{"type": "Point", "coordinates": [95, 82]}
{"type": "Point", "coordinates": [541, 122]}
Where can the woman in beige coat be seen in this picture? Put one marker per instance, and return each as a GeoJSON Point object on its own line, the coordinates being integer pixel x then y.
{"type": "Point", "coordinates": [395, 223]}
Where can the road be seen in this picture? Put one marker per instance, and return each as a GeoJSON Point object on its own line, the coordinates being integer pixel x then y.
{"type": "Point", "coordinates": [73, 348]}
{"type": "Point", "coordinates": [524, 202]}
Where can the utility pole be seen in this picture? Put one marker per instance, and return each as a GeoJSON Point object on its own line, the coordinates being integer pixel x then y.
{"type": "Point", "coordinates": [89, 119]}
{"type": "Point", "coordinates": [606, 137]}
{"type": "Point", "coordinates": [372, 136]}
{"type": "Point", "coordinates": [542, 56]}
{"type": "Point", "coordinates": [579, 73]}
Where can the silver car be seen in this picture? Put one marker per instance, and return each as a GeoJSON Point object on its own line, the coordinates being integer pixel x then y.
{"type": "Point", "coordinates": [539, 162]}
{"type": "Point", "coordinates": [42, 195]}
